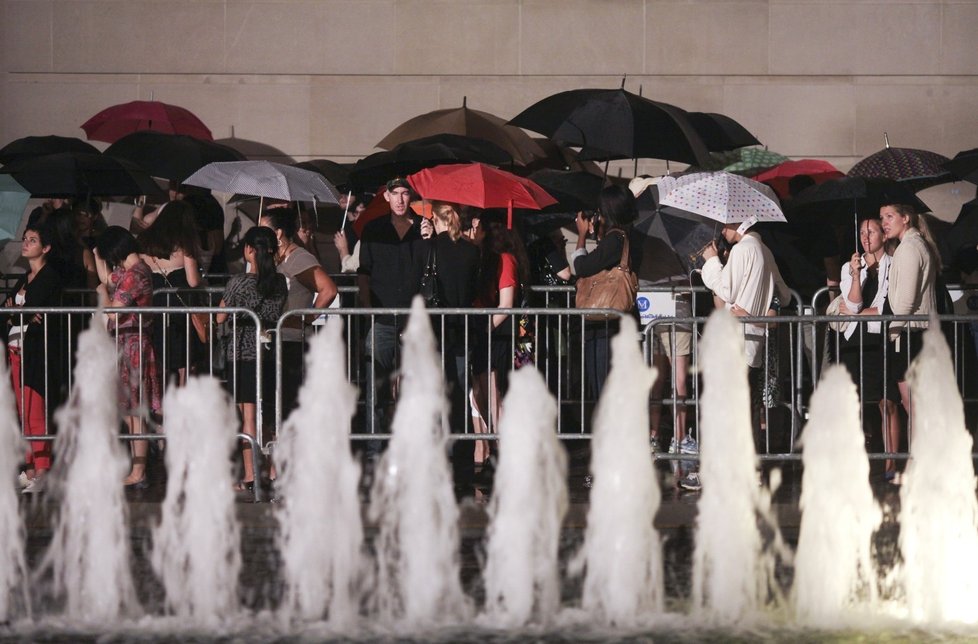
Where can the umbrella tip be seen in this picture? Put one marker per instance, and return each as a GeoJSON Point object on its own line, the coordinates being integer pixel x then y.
{"type": "Point", "coordinates": [623, 77]}
{"type": "Point", "coordinates": [886, 140]}
{"type": "Point", "coordinates": [465, 100]}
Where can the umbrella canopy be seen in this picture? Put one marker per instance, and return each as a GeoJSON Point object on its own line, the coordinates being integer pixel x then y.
{"type": "Point", "coordinates": [113, 123]}
{"type": "Point", "coordinates": [466, 122]}
{"type": "Point", "coordinates": [720, 132]}
{"type": "Point", "coordinates": [839, 199]}
{"type": "Point", "coordinates": [13, 200]}
{"type": "Point", "coordinates": [264, 179]}
{"type": "Point", "coordinates": [723, 197]}
{"type": "Point", "coordinates": [917, 169]}
{"type": "Point", "coordinates": [615, 124]}
{"type": "Point", "coordinates": [255, 150]}
{"type": "Point", "coordinates": [412, 156]}
{"type": "Point", "coordinates": [960, 241]}
{"type": "Point", "coordinates": [964, 165]}
{"type": "Point", "coordinates": [77, 175]}
{"type": "Point", "coordinates": [559, 157]}
{"type": "Point", "coordinates": [337, 174]}
{"type": "Point", "coordinates": [684, 233]}
{"type": "Point", "coordinates": [35, 146]}
{"type": "Point", "coordinates": [170, 156]}
{"type": "Point", "coordinates": [780, 176]}
{"type": "Point", "coordinates": [476, 184]}
{"type": "Point", "coordinates": [751, 161]}
{"type": "Point", "coordinates": [573, 191]}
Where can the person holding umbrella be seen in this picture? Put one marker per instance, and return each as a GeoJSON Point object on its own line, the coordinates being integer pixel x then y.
{"type": "Point", "coordinates": [749, 285]}
{"type": "Point", "coordinates": [612, 225]}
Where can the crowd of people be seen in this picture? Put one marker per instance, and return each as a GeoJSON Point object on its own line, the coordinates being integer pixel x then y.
{"type": "Point", "coordinates": [469, 258]}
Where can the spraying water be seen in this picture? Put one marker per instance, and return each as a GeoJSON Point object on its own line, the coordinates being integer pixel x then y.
{"type": "Point", "coordinates": [13, 566]}
{"type": "Point", "coordinates": [521, 574]}
{"type": "Point", "coordinates": [89, 552]}
{"type": "Point", "coordinates": [834, 570]}
{"type": "Point", "coordinates": [622, 550]}
{"type": "Point", "coordinates": [729, 577]}
{"type": "Point", "coordinates": [939, 512]}
{"type": "Point", "coordinates": [196, 547]}
{"type": "Point", "coordinates": [321, 531]}
{"type": "Point", "coordinates": [412, 498]}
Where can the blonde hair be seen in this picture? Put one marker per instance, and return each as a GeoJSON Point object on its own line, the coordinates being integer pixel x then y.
{"type": "Point", "coordinates": [918, 221]}
{"type": "Point", "coordinates": [447, 214]}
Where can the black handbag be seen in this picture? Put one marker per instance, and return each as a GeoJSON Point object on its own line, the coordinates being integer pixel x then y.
{"type": "Point", "coordinates": [430, 288]}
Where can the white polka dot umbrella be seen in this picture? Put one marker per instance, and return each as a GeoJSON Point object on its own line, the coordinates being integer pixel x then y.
{"type": "Point", "coordinates": [724, 197]}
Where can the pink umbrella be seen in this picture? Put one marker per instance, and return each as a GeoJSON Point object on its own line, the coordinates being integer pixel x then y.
{"type": "Point", "coordinates": [113, 123]}
{"type": "Point", "coordinates": [476, 184]}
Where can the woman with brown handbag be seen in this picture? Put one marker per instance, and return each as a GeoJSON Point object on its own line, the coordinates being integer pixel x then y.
{"type": "Point", "coordinates": [614, 284]}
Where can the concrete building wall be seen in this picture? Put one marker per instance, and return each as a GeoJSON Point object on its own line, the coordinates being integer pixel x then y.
{"type": "Point", "coordinates": [329, 78]}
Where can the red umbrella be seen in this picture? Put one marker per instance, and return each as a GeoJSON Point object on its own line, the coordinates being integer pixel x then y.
{"type": "Point", "coordinates": [114, 122]}
{"type": "Point", "coordinates": [780, 175]}
{"type": "Point", "coordinates": [476, 184]}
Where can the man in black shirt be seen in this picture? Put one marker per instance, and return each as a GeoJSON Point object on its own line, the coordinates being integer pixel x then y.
{"type": "Point", "coordinates": [389, 276]}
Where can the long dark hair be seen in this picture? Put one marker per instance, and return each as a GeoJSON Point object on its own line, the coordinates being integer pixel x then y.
{"type": "Point", "coordinates": [285, 218]}
{"type": "Point", "coordinates": [115, 245]}
{"type": "Point", "coordinates": [618, 206]}
{"type": "Point", "coordinates": [175, 228]}
{"type": "Point", "coordinates": [67, 251]}
{"type": "Point", "coordinates": [270, 281]}
{"type": "Point", "coordinates": [500, 239]}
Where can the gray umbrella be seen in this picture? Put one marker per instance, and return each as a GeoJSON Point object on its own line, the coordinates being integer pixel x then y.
{"type": "Point", "coordinates": [265, 179]}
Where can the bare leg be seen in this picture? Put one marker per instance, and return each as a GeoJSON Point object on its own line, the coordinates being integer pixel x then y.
{"type": "Point", "coordinates": [907, 403]}
{"type": "Point", "coordinates": [249, 427]}
{"type": "Point", "coordinates": [661, 363]}
{"type": "Point", "coordinates": [139, 450]}
{"type": "Point", "coordinates": [478, 397]}
{"type": "Point", "coordinates": [891, 431]}
{"type": "Point", "coordinates": [682, 372]}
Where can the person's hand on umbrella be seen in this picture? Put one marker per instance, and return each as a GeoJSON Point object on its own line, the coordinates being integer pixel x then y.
{"type": "Point", "coordinates": [710, 250]}
{"type": "Point", "coordinates": [856, 263]}
{"type": "Point", "coordinates": [583, 225]}
{"type": "Point", "coordinates": [427, 229]}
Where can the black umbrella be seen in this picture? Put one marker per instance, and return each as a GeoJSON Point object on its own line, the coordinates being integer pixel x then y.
{"type": "Point", "coordinates": [170, 156]}
{"type": "Point", "coordinates": [615, 124]}
{"type": "Point", "coordinates": [427, 152]}
{"type": "Point", "coordinates": [916, 169]}
{"type": "Point", "coordinates": [721, 133]}
{"type": "Point", "coordinates": [683, 232]}
{"type": "Point", "coordinates": [960, 241]}
{"type": "Point", "coordinates": [337, 174]}
{"type": "Point", "coordinates": [964, 165]}
{"type": "Point", "coordinates": [35, 146]}
{"type": "Point", "coordinates": [70, 175]}
{"type": "Point", "coordinates": [846, 200]}
{"type": "Point", "coordinates": [573, 191]}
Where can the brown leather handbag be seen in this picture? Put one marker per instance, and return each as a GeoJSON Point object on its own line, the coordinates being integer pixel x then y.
{"type": "Point", "coordinates": [612, 288]}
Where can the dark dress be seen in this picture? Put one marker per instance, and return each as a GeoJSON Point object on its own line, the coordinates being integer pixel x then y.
{"type": "Point", "coordinates": [242, 292]}
{"type": "Point", "coordinates": [172, 329]}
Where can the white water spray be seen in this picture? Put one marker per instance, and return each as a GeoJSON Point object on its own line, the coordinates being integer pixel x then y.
{"type": "Point", "coordinates": [412, 498]}
{"type": "Point", "coordinates": [89, 552]}
{"type": "Point", "coordinates": [834, 572]}
{"type": "Point", "coordinates": [13, 566]}
{"type": "Point", "coordinates": [522, 575]}
{"type": "Point", "coordinates": [321, 531]}
{"type": "Point", "coordinates": [622, 552]}
{"type": "Point", "coordinates": [196, 547]}
{"type": "Point", "coordinates": [730, 580]}
{"type": "Point", "coordinates": [938, 509]}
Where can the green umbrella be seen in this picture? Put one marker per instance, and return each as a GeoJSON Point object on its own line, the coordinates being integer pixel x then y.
{"type": "Point", "coordinates": [755, 160]}
{"type": "Point", "coordinates": [13, 200]}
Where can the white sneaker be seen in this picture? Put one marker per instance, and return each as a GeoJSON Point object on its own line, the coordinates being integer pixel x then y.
{"type": "Point", "coordinates": [691, 482]}
{"type": "Point", "coordinates": [673, 446]}
{"type": "Point", "coordinates": [35, 486]}
{"type": "Point", "coordinates": [22, 480]}
{"type": "Point", "coordinates": [689, 446]}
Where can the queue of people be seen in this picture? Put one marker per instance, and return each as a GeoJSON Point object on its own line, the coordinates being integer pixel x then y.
{"type": "Point", "coordinates": [481, 263]}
